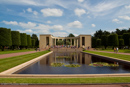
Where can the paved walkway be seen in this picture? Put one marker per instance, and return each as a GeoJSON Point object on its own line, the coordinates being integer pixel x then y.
{"type": "Point", "coordinates": [114, 85]}
{"type": "Point", "coordinates": [16, 54]}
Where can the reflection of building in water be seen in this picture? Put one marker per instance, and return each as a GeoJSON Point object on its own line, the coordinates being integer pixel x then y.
{"type": "Point", "coordinates": [87, 59]}
{"type": "Point", "coordinates": [74, 58]}
{"type": "Point", "coordinates": [43, 61]}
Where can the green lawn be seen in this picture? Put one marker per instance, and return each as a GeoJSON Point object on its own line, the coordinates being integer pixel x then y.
{"type": "Point", "coordinates": [15, 51]}
{"type": "Point", "coordinates": [66, 80]}
{"type": "Point", "coordinates": [120, 50]}
{"type": "Point", "coordinates": [118, 56]}
{"type": "Point", "coordinates": [8, 63]}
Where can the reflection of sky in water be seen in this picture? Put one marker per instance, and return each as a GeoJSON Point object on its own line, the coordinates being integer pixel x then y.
{"type": "Point", "coordinates": [44, 65]}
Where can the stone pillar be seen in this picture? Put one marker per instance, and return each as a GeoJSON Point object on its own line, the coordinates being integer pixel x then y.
{"type": "Point", "coordinates": [71, 41]}
{"type": "Point", "coordinates": [55, 41]}
{"type": "Point", "coordinates": [77, 42]}
{"type": "Point", "coordinates": [80, 41]}
{"type": "Point", "coordinates": [74, 42]}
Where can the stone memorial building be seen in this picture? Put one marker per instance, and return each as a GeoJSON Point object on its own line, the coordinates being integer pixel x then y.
{"type": "Point", "coordinates": [47, 40]}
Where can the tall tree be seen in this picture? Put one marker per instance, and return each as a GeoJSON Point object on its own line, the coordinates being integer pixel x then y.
{"type": "Point", "coordinates": [121, 43]}
{"type": "Point", "coordinates": [33, 42]}
{"type": "Point", "coordinates": [28, 40]}
{"type": "Point", "coordinates": [23, 38]}
{"type": "Point", "coordinates": [113, 40]}
{"type": "Point", "coordinates": [71, 35]}
{"type": "Point", "coordinates": [126, 37]}
{"type": "Point", "coordinates": [5, 37]}
{"type": "Point", "coordinates": [15, 39]}
{"type": "Point", "coordinates": [98, 34]}
{"type": "Point", "coordinates": [60, 42]}
{"type": "Point", "coordinates": [104, 41]}
{"type": "Point", "coordinates": [34, 36]}
{"type": "Point", "coordinates": [99, 42]}
{"type": "Point", "coordinates": [94, 42]}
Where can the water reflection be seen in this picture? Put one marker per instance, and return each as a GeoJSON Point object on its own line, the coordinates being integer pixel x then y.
{"type": "Point", "coordinates": [44, 65]}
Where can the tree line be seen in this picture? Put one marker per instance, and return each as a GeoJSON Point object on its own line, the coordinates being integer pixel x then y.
{"type": "Point", "coordinates": [15, 39]}
{"type": "Point", "coordinates": [118, 38]}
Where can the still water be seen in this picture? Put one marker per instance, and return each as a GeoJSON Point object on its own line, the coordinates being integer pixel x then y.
{"type": "Point", "coordinates": [44, 65]}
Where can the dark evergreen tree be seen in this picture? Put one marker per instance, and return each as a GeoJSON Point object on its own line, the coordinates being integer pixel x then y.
{"type": "Point", "coordinates": [71, 35]}
{"type": "Point", "coordinates": [98, 42]}
{"type": "Point", "coordinates": [23, 38]}
{"type": "Point", "coordinates": [15, 39]}
{"type": "Point", "coordinates": [121, 43]}
{"type": "Point", "coordinates": [120, 37]}
{"type": "Point", "coordinates": [33, 42]}
{"type": "Point", "coordinates": [94, 42]}
{"type": "Point", "coordinates": [34, 36]}
{"type": "Point", "coordinates": [104, 41]}
{"type": "Point", "coordinates": [126, 37]}
{"type": "Point", "coordinates": [28, 40]}
{"type": "Point", "coordinates": [5, 37]}
{"type": "Point", "coordinates": [113, 40]}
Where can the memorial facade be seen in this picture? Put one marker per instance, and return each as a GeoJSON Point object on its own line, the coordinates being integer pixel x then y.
{"type": "Point", "coordinates": [47, 40]}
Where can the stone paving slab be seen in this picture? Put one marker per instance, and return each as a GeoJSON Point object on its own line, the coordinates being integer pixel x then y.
{"type": "Point", "coordinates": [15, 54]}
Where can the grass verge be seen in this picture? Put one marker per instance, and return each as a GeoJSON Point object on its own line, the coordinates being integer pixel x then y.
{"type": "Point", "coordinates": [120, 50]}
{"type": "Point", "coordinates": [15, 51]}
{"type": "Point", "coordinates": [118, 56]}
{"type": "Point", "coordinates": [66, 80]}
{"type": "Point", "coordinates": [10, 62]}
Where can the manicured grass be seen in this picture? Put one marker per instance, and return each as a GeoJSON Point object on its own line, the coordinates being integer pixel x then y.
{"type": "Point", "coordinates": [8, 63]}
{"type": "Point", "coordinates": [67, 80]}
{"type": "Point", "coordinates": [114, 55]}
{"type": "Point", "coordinates": [120, 50]}
{"type": "Point", "coordinates": [15, 51]}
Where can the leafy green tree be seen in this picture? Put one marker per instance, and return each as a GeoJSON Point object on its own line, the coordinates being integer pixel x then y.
{"type": "Point", "coordinates": [34, 36]}
{"type": "Point", "coordinates": [68, 42]}
{"type": "Point", "coordinates": [33, 42]}
{"type": "Point", "coordinates": [5, 37]}
{"type": "Point", "coordinates": [126, 37]}
{"type": "Point", "coordinates": [104, 41]}
{"type": "Point", "coordinates": [29, 40]}
{"type": "Point", "coordinates": [60, 42]}
{"type": "Point", "coordinates": [15, 39]}
{"type": "Point", "coordinates": [113, 40]}
{"type": "Point", "coordinates": [71, 35]}
{"type": "Point", "coordinates": [121, 42]}
{"type": "Point", "coordinates": [94, 42]}
{"type": "Point", "coordinates": [120, 37]}
{"type": "Point", "coordinates": [23, 38]}
{"type": "Point", "coordinates": [99, 42]}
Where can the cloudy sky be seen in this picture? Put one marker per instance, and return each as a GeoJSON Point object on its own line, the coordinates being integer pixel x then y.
{"type": "Point", "coordinates": [61, 17]}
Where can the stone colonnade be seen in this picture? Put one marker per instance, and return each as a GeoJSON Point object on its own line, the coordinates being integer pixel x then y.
{"type": "Point", "coordinates": [75, 41]}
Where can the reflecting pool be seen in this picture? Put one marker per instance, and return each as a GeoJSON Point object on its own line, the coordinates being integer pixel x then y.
{"type": "Point", "coordinates": [43, 66]}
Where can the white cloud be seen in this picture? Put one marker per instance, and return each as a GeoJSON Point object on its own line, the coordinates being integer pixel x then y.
{"type": "Point", "coordinates": [26, 31]}
{"type": "Point", "coordinates": [80, 0]}
{"type": "Point", "coordinates": [127, 7]}
{"type": "Point", "coordinates": [93, 25]}
{"type": "Point", "coordinates": [61, 34]}
{"type": "Point", "coordinates": [48, 22]}
{"type": "Point", "coordinates": [79, 12]}
{"type": "Point", "coordinates": [88, 16]}
{"type": "Point", "coordinates": [35, 12]}
{"type": "Point", "coordinates": [75, 24]}
{"type": "Point", "coordinates": [29, 10]}
{"type": "Point", "coordinates": [124, 17]}
{"type": "Point", "coordinates": [52, 12]}
{"type": "Point", "coordinates": [117, 21]}
{"type": "Point", "coordinates": [29, 25]}
{"type": "Point", "coordinates": [11, 22]}
{"type": "Point", "coordinates": [42, 26]}
{"type": "Point", "coordinates": [57, 27]}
